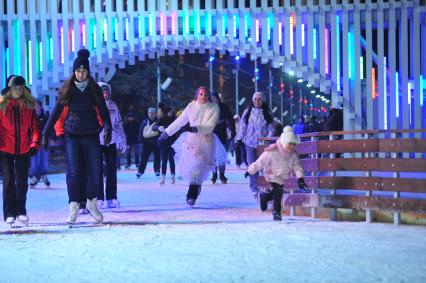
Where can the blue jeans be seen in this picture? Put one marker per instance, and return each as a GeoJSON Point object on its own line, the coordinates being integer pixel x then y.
{"type": "Point", "coordinates": [85, 150]}
{"type": "Point", "coordinates": [39, 163]}
{"type": "Point", "coordinates": [251, 157]}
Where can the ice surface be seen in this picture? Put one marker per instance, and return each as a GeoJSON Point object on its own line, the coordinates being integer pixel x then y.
{"type": "Point", "coordinates": [156, 237]}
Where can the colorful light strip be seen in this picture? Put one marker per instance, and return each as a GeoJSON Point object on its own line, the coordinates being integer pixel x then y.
{"type": "Point", "coordinates": [410, 86]}
{"type": "Point", "coordinates": [51, 48]}
{"type": "Point", "coordinates": [234, 19]}
{"type": "Point", "coordinates": [373, 83]}
{"type": "Point", "coordinates": [40, 57]}
{"type": "Point", "coordinates": [83, 34]}
{"type": "Point", "coordinates": [140, 26]}
{"type": "Point", "coordinates": [127, 29]}
{"type": "Point", "coordinates": [280, 34]}
{"type": "Point", "coordinates": [361, 68]}
{"type": "Point", "coordinates": [105, 30]}
{"type": "Point", "coordinates": [302, 27]}
{"type": "Point", "coordinates": [268, 27]}
{"type": "Point", "coordinates": [7, 62]}
{"type": "Point", "coordinates": [257, 30]}
{"type": "Point", "coordinates": [72, 40]}
{"type": "Point", "coordinates": [115, 29]}
{"type": "Point", "coordinates": [351, 55]}
{"type": "Point", "coordinates": [246, 24]}
{"type": "Point", "coordinates": [326, 52]}
{"type": "Point", "coordinates": [291, 35]}
{"type": "Point", "coordinates": [422, 88]}
{"type": "Point", "coordinates": [174, 23]}
{"type": "Point", "coordinates": [338, 53]}
{"type": "Point", "coordinates": [397, 93]}
{"type": "Point", "coordinates": [314, 43]}
{"type": "Point", "coordinates": [94, 37]}
{"type": "Point", "coordinates": [198, 23]}
{"type": "Point", "coordinates": [385, 96]}
{"type": "Point", "coordinates": [186, 23]}
{"type": "Point", "coordinates": [30, 63]}
{"type": "Point", "coordinates": [62, 45]}
{"type": "Point", "coordinates": [209, 25]}
{"type": "Point", "coordinates": [224, 24]}
{"type": "Point", "coordinates": [162, 24]}
{"type": "Point", "coordinates": [17, 43]}
{"type": "Point", "coordinates": [151, 24]}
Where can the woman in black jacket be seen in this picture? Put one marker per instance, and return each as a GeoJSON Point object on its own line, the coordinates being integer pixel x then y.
{"type": "Point", "coordinates": [80, 114]}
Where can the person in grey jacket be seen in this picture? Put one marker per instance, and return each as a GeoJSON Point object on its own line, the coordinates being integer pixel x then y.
{"type": "Point", "coordinates": [256, 122]}
{"type": "Point", "coordinates": [109, 151]}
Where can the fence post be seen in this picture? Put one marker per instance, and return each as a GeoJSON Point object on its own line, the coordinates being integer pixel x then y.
{"type": "Point", "coordinates": [396, 215]}
{"type": "Point", "coordinates": [333, 211]}
{"type": "Point", "coordinates": [313, 191]}
{"type": "Point", "coordinates": [368, 212]}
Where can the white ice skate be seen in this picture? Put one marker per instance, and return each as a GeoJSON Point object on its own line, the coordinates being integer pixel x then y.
{"type": "Point", "coordinates": [93, 210]}
{"type": "Point", "coordinates": [74, 206]}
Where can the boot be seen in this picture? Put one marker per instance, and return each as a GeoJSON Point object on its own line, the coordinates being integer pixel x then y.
{"type": "Point", "coordinates": [93, 210]}
{"type": "Point", "coordinates": [278, 196]}
{"type": "Point", "coordinates": [73, 212]}
{"type": "Point", "coordinates": [45, 180]}
{"type": "Point", "coordinates": [214, 177]}
{"type": "Point", "coordinates": [223, 179]}
{"type": "Point", "coordinates": [163, 179]}
{"type": "Point", "coordinates": [264, 198]}
{"type": "Point", "coordinates": [173, 179]}
{"type": "Point", "coordinates": [193, 193]}
{"type": "Point", "coordinates": [34, 181]}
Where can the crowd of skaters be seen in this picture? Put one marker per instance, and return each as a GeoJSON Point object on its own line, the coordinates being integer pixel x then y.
{"type": "Point", "coordinates": [193, 142]}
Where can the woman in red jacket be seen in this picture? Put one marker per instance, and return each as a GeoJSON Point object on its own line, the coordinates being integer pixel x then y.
{"type": "Point", "coordinates": [19, 140]}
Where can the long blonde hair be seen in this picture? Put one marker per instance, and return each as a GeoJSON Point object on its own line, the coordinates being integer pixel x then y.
{"type": "Point", "coordinates": [26, 98]}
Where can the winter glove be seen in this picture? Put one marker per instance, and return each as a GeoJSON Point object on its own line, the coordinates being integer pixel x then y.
{"type": "Point", "coordinates": [33, 151]}
{"type": "Point", "coordinates": [161, 129]}
{"type": "Point", "coordinates": [44, 142]}
{"type": "Point", "coordinates": [107, 137]}
{"type": "Point", "coordinates": [301, 183]}
{"type": "Point", "coordinates": [247, 174]}
{"type": "Point", "coordinates": [193, 129]}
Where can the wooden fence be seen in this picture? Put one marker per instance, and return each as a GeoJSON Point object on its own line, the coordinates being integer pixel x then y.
{"type": "Point", "coordinates": [373, 171]}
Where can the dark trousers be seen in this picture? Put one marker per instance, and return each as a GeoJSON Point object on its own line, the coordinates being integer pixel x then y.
{"type": "Point", "coordinates": [15, 183]}
{"type": "Point", "coordinates": [109, 154]}
{"type": "Point", "coordinates": [193, 192]}
{"type": "Point", "coordinates": [85, 150]}
{"type": "Point", "coordinates": [240, 154]}
{"type": "Point", "coordinates": [276, 195]}
{"type": "Point", "coordinates": [167, 154]}
{"type": "Point", "coordinates": [146, 152]}
{"type": "Point", "coordinates": [135, 149]}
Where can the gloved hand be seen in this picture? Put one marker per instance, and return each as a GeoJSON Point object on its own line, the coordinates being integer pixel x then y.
{"type": "Point", "coordinates": [33, 151]}
{"type": "Point", "coordinates": [247, 174]}
{"type": "Point", "coordinates": [107, 137]}
{"type": "Point", "coordinates": [193, 129]}
{"type": "Point", "coordinates": [301, 183]}
{"type": "Point", "coordinates": [161, 129]}
{"type": "Point", "coordinates": [163, 137]}
{"type": "Point", "coordinates": [44, 142]}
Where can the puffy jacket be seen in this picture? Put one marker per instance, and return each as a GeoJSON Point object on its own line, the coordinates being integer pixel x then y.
{"type": "Point", "coordinates": [256, 127]}
{"type": "Point", "coordinates": [82, 116]}
{"type": "Point", "coordinates": [277, 164]}
{"type": "Point", "coordinates": [19, 128]}
{"type": "Point", "coordinates": [118, 136]}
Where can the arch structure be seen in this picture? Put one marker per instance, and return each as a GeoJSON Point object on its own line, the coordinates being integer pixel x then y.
{"type": "Point", "coordinates": [368, 54]}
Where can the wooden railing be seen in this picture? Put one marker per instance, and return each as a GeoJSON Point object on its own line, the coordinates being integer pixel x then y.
{"type": "Point", "coordinates": [374, 170]}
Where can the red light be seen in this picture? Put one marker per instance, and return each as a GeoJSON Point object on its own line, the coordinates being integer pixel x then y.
{"type": "Point", "coordinates": [306, 101]}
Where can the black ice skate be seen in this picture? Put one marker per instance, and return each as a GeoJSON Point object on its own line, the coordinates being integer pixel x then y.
{"type": "Point", "coordinates": [214, 178]}
{"type": "Point", "coordinates": [223, 179]}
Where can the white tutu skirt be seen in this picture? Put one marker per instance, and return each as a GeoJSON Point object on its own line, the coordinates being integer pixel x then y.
{"type": "Point", "coordinates": [197, 155]}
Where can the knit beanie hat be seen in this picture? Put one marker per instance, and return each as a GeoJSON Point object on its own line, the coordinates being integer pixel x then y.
{"type": "Point", "coordinates": [288, 136]}
{"type": "Point", "coordinates": [105, 86]}
{"type": "Point", "coordinates": [17, 81]}
{"type": "Point", "coordinates": [82, 60]}
{"type": "Point", "coordinates": [151, 110]}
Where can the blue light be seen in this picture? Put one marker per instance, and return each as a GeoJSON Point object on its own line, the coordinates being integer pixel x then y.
{"type": "Point", "coordinates": [237, 58]}
{"type": "Point", "coordinates": [211, 59]}
{"type": "Point", "coordinates": [256, 70]}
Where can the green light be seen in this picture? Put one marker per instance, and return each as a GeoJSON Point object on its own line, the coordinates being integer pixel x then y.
{"type": "Point", "coordinates": [51, 48]}
{"type": "Point", "coordinates": [209, 25]}
{"type": "Point", "coordinates": [246, 24]}
{"type": "Point", "coordinates": [40, 58]}
{"type": "Point", "coordinates": [198, 24]}
{"type": "Point", "coordinates": [186, 23]}
{"type": "Point", "coordinates": [17, 42]}
{"type": "Point", "coordinates": [7, 63]}
{"type": "Point", "coordinates": [224, 23]}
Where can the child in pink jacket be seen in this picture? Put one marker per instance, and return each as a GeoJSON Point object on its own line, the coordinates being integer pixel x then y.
{"type": "Point", "coordinates": [277, 162]}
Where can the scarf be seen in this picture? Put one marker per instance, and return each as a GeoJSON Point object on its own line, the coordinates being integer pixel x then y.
{"type": "Point", "coordinates": [81, 85]}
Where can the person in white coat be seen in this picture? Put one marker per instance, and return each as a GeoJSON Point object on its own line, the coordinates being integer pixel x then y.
{"type": "Point", "coordinates": [109, 151]}
{"type": "Point", "coordinates": [196, 149]}
{"type": "Point", "coordinates": [277, 162]}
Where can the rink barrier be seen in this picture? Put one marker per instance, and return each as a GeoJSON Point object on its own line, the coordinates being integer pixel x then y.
{"type": "Point", "coordinates": [375, 172]}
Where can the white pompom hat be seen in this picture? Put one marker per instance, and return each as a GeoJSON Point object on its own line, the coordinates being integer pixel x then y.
{"type": "Point", "coordinates": [288, 136]}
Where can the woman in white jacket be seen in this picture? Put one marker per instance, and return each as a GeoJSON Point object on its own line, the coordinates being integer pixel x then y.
{"type": "Point", "coordinates": [197, 152]}
{"type": "Point", "coordinates": [277, 162]}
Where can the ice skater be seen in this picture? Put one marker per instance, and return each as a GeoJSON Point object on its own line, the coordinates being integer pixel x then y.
{"type": "Point", "coordinates": [197, 149]}
{"type": "Point", "coordinates": [278, 161]}
{"type": "Point", "coordinates": [82, 109]}
{"type": "Point", "coordinates": [19, 140]}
